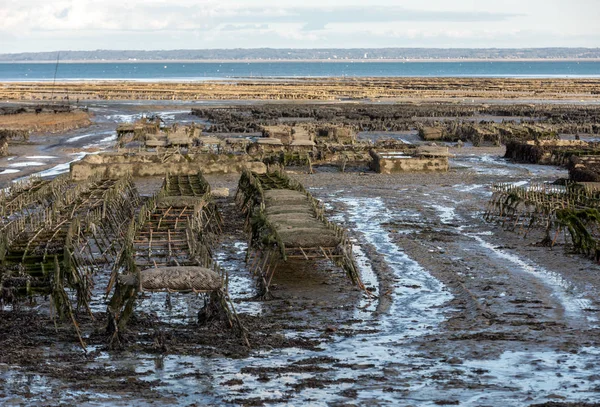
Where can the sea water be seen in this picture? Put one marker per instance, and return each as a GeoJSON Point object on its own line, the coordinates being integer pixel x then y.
{"type": "Point", "coordinates": [192, 71]}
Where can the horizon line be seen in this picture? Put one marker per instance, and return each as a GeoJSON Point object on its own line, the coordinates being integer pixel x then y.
{"type": "Point", "coordinates": [301, 48]}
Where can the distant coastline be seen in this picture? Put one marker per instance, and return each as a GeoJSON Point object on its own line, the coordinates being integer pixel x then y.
{"type": "Point", "coordinates": [330, 55]}
{"type": "Point", "coordinates": [333, 61]}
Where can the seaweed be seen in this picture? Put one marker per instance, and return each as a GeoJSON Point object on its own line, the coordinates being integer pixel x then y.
{"type": "Point", "coordinates": [267, 244]}
{"type": "Point", "coordinates": [578, 223]}
{"type": "Point", "coordinates": [573, 208]}
{"type": "Point", "coordinates": [58, 234]}
{"type": "Point", "coordinates": [175, 228]}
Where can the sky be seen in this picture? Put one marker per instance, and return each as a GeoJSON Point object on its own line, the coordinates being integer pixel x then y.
{"type": "Point", "coordinates": [33, 25]}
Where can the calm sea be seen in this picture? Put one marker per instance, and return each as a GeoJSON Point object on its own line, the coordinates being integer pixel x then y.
{"type": "Point", "coordinates": [213, 70]}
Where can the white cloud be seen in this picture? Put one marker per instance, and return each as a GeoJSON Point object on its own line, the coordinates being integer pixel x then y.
{"type": "Point", "coordinates": [33, 25]}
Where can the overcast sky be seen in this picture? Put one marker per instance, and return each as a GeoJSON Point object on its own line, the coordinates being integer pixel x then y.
{"type": "Point", "coordinates": [33, 25]}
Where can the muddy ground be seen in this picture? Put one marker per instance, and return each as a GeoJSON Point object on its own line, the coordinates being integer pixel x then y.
{"type": "Point", "coordinates": [461, 311]}
{"type": "Point", "coordinates": [402, 116]}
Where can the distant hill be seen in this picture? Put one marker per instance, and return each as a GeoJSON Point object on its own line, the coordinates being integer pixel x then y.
{"type": "Point", "coordinates": [274, 54]}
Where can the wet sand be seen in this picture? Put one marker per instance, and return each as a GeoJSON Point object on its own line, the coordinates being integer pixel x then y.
{"type": "Point", "coordinates": [462, 312]}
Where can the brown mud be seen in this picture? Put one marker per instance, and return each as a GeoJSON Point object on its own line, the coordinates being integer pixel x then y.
{"type": "Point", "coordinates": [564, 118]}
{"type": "Point", "coordinates": [45, 122]}
{"type": "Point", "coordinates": [461, 312]}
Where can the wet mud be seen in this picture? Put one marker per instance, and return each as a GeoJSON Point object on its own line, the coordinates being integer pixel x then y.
{"type": "Point", "coordinates": [49, 155]}
{"type": "Point", "coordinates": [460, 312]}
{"type": "Point", "coordinates": [459, 120]}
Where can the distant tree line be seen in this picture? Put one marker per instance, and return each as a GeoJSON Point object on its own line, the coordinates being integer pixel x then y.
{"type": "Point", "coordinates": [271, 54]}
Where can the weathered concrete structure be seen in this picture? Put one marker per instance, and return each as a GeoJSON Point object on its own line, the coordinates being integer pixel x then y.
{"type": "Point", "coordinates": [421, 159]}
{"type": "Point", "coordinates": [147, 164]}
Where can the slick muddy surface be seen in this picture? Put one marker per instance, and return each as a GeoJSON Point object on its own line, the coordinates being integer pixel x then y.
{"type": "Point", "coordinates": [459, 312]}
